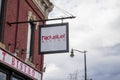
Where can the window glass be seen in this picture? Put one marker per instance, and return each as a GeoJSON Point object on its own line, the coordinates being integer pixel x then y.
{"type": "Point", "coordinates": [3, 76]}
{"type": "Point", "coordinates": [14, 78]}
{"type": "Point", "coordinates": [17, 78]}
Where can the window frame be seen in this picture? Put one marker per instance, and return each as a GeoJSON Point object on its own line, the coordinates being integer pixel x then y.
{"type": "Point", "coordinates": [5, 72]}
{"type": "Point", "coordinates": [30, 43]}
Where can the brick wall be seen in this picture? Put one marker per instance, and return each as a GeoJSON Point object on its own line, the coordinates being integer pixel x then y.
{"type": "Point", "coordinates": [15, 36]}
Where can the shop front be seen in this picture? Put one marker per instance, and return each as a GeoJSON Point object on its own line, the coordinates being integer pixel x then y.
{"type": "Point", "coordinates": [13, 68]}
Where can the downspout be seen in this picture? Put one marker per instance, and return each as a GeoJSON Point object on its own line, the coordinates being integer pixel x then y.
{"type": "Point", "coordinates": [4, 3]}
{"type": "Point", "coordinates": [17, 19]}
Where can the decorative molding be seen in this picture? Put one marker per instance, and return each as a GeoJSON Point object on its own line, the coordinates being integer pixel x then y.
{"type": "Point", "coordinates": [2, 45]}
{"type": "Point", "coordinates": [45, 6]}
{"type": "Point", "coordinates": [31, 16]}
{"type": "Point", "coordinates": [28, 61]}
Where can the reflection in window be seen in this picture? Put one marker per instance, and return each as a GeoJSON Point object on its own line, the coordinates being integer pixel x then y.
{"type": "Point", "coordinates": [3, 76]}
{"type": "Point", "coordinates": [15, 78]}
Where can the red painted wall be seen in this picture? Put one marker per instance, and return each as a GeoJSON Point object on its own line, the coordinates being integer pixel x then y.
{"type": "Point", "coordinates": [16, 34]}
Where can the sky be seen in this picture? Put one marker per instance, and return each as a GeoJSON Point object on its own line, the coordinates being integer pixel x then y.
{"type": "Point", "coordinates": [96, 29]}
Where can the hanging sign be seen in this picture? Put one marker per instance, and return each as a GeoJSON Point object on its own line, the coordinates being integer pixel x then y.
{"type": "Point", "coordinates": [53, 38]}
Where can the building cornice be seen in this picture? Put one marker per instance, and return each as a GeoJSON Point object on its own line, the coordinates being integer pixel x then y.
{"type": "Point", "coordinates": [45, 6]}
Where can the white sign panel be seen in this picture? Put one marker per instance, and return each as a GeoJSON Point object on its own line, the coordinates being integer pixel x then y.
{"type": "Point", "coordinates": [54, 38]}
{"type": "Point", "coordinates": [15, 63]}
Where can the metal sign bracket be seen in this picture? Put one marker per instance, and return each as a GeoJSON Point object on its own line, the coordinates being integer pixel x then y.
{"type": "Point", "coordinates": [21, 22]}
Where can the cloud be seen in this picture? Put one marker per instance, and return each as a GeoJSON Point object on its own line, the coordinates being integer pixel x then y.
{"type": "Point", "coordinates": [53, 71]}
{"type": "Point", "coordinates": [106, 68]}
{"type": "Point", "coordinates": [95, 29]}
{"type": "Point", "coordinates": [106, 65]}
{"type": "Point", "coordinates": [111, 51]}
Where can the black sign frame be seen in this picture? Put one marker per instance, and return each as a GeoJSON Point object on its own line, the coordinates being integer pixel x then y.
{"type": "Point", "coordinates": [54, 51]}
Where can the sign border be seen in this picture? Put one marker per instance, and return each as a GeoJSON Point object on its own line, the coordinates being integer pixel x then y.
{"type": "Point", "coordinates": [67, 38]}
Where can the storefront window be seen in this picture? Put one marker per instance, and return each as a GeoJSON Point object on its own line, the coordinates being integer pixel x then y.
{"type": "Point", "coordinates": [17, 78]}
{"type": "Point", "coordinates": [3, 76]}
{"type": "Point", "coordinates": [14, 78]}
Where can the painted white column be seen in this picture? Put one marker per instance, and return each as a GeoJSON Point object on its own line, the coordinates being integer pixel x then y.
{"type": "Point", "coordinates": [28, 41]}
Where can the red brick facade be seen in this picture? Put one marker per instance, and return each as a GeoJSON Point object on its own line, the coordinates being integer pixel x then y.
{"type": "Point", "coordinates": [15, 36]}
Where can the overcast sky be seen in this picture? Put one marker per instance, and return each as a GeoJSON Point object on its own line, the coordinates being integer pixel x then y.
{"type": "Point", "coordinates": [96, 29]}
